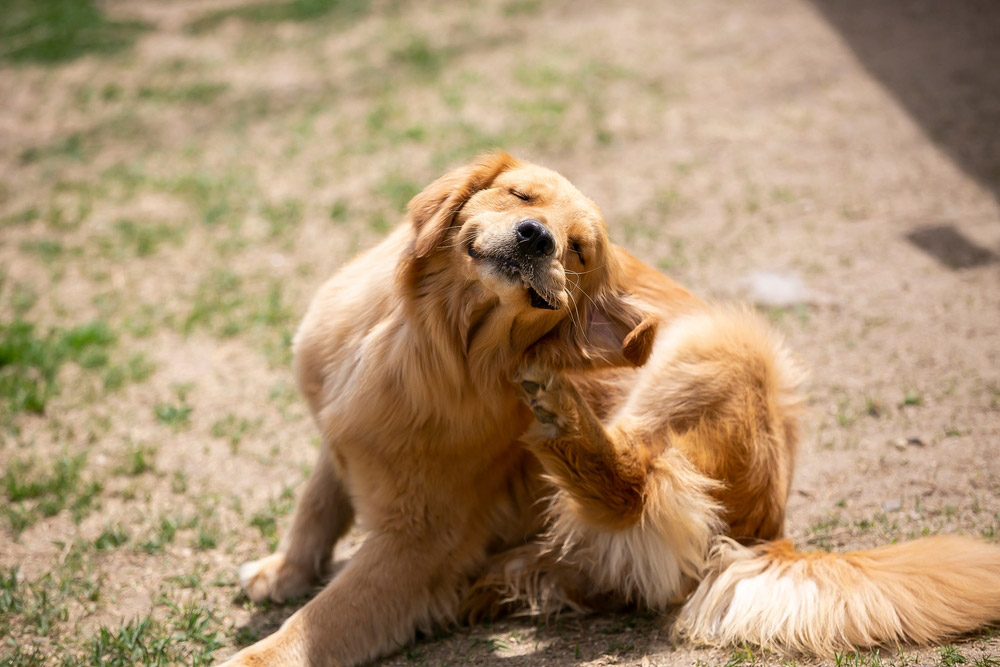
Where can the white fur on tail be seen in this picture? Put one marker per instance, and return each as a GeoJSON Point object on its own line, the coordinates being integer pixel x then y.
{"type": "Point", "coordinates": [922, 591]}
{"type": "Point", "coordinates": [656, 560]}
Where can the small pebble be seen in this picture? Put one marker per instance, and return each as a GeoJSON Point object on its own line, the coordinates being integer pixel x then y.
{"type": "Point", "coordinates": [892, 505]}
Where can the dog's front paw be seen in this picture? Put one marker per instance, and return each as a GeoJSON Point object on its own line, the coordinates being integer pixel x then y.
{"type": "Point", "coordinates": [542, 391]}
{"type": "Point", "coordinates": [274, 578]}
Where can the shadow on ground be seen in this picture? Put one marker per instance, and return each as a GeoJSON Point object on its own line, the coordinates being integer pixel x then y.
{"type": "Point", "coordinates": [941, 61]}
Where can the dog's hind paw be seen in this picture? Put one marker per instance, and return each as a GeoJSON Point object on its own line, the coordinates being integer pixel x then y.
{"type": "Point", "coordinates": [542, 391]}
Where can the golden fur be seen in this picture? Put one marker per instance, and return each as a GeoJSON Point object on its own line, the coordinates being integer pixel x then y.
{"type": "Point", "coordinates": [525, 417]}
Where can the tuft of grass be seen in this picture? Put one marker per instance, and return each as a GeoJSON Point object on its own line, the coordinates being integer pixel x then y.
{"type": "Point", "coordinates": [33, 492]}
{"type": "Point", "coordinates": [138, 460]}
{"type": "Point", "coordinates": [221, 305]}
{"type": "Point", "coordinates": [110, 538]}
{"type": "Point", "coordinates": [75, 147]}
{"type": "Point", "coordinates": [418, 55]}
{"type": "Point", "coordinates": [190, 637]}
{"type": "Point", "coordinates": [339, 211]}
{"type": "Point", "coordinates": [20, 218]}
{"type": "Point", "coordinates": [164, 535]}
{"type": "Point", "coordinates": [233, 428]}
{"type": "Point", "coordinates": [202, 92]}
{"type": "Point", "coordinates": [266, 520]}
{"type": "Point", "coordinates": [218, 198]}
{"type": "Point", "coordinates": [140, 238]}
{"type": "Point", "coordinates": [398, 190]}
{"type": "Point", "coordinates": [911, 398]}
{"type": "Point", "coordinates": [951, 656]}
{"type": "Point", "coordinates": [176, 416]}
{"type": "Point", "coordinates": [48, 250]}
{"type": "Point", "coordinates": [52, 31]}
{"type": "Point", "coordinates": [269, 12]}
{"type": "Point", "coordinates": [521, 7]}
{"type": "Point", "coordinates": [282, 217]}
{"type": "Point", "coordinates": [30, 363]}
{"type": "Point", "coordinates": [135, 369]}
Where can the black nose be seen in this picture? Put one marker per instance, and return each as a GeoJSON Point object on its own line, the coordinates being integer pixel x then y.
{"type": "Point", "coordinates": [534, 239]}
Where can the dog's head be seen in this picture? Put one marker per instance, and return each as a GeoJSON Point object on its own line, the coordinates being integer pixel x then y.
{"type": "Point", "coordinates": [523, 240]}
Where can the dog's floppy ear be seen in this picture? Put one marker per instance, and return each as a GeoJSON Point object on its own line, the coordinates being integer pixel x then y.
{"type": "Point", "coordinates": [433, 210]}
{"type": "Point", "coordinates": [617, 331]}
{"type": "Point", "coordinates": [609, 329]}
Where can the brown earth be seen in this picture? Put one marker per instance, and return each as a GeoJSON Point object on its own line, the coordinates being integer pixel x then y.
{"type": "Point", "coordinates": [855, 145]}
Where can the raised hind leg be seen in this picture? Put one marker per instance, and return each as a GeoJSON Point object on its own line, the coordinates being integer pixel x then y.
{"type": "Point", "coordinates": [630, 509]}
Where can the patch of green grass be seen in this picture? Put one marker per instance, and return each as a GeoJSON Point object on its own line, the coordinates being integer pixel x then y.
{"type": "Point", "coordinates": [30, 363]}
{"type": "Point", "coordinates": [911, 398]}
{"type": "Point", "coordinates": [379, 223]}
{"type": "Point", "coordinates": [207, 538]}
{"type": "Point", "coordinates": [135, 369]}
{"type": "Point", "coordinates": [76, 147]}
{"type": "Point", "coordinates": [10, 598]}
{"type": "Point", "coordinates": [51, 31]}
{"type": "Point", "coordinates": [398, 190]}
{"type": "Point", "coordinates": [202, 92]}
{"type": "Point", "coordinates": [139, 238]}
{"type": "Point", "coordinates": [951, 656]}
{"type": "Point", "coordinates": [138, 459]}
{"type": "Point", "coordinates": [111, 537]}
{"type": "Point", "coordinates": [540, 119]}
{"type": "Point", "coordinates": [164, 535]}
{"type": "Point", "coordinates": [522, 7]}
{"type": "Point", "coordinates": [23, 217]}
{"type": "Point", "coordinates": [233, 428]}
{"type": "Point", "coordinates": [858, 659]}
{"type": "Point", "coordinates": [268, 12]}
{"type": "Point", "coordinates": [419, 56]}
{"type": "Point", "coordinates": [221, 305]}
{"type": "Point", "coordinates": [845, 415]}
{"type": "Point", "coordinates": [34, 492]}
{"type": "Point", "coordinates": [22, 299]}
{"type": "Point", "coordinates": [282, 217]}
{"type": "Point", "coordinates": [67, 216]}
{"type": "Point", "coordinates": [48, 250]}
{"type": "Point", "coordinates": [741, 656]}
{"type": "Point", "coordinates": [190, 636]}
{"type": "Point", "coordinates": [176, 416]}
{"type": "Point", "coordinates": [218, 198]}
{"type": "Point", "coordinates": [339, 211]}
{"type": "Point", "coordinates": [266, 520]}
{"type": "Point", "coordinates": [819, 532]}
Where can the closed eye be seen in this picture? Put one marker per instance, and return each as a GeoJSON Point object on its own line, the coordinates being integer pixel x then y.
{"type": "Point", "coordinates": [575, 247]}
{"type": "Point", "coordinates": [520, 195]}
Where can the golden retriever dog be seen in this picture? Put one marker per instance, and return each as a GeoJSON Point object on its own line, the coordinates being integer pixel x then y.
{"type": "Point", "coordinates": [524, 417]}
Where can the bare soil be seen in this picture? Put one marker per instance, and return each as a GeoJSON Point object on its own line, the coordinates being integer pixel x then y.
{"type": "Point", "coordinates": [192, 190]}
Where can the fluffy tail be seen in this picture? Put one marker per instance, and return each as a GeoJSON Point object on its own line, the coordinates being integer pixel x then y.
{"type": "Point", "coordinates": [771, 596]}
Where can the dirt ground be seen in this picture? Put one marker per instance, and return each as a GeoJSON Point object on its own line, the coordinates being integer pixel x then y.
{"type": "Point", "coordinates": [169, 203]}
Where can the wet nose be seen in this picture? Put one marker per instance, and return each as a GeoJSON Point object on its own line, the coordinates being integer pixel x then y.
{"type": "Point", "coordinates": [534, 239]}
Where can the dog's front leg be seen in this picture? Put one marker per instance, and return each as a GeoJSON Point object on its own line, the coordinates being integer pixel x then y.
{"type": "Point", "coordinates": [394, 585]}
{"type": "Point", "coordinates": [322, 515]}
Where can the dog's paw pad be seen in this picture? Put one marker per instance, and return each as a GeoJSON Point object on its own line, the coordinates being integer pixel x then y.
{"type": "Point", "coordinates": [530, 387]}
{"type": "Point", "coordinates": [545, 416]}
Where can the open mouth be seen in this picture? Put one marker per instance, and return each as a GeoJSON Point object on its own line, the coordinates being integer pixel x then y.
{"type": "Point", "coordinates": [510, 268]}
{"type": "Point", "coordinates": [538, 301]}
